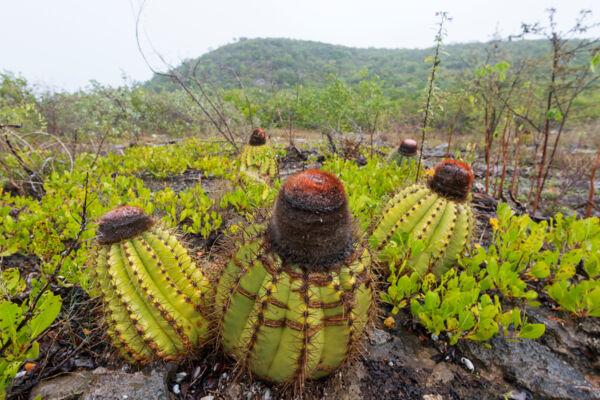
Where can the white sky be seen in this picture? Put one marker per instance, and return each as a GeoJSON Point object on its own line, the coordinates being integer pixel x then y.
{"type": "Point", "coordinates": [62, 44]}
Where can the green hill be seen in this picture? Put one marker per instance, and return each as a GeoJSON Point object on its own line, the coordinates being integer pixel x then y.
{"type": "Point", "coordinates": [287, 62]}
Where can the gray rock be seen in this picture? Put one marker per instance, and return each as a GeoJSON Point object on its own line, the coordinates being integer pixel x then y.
{"type": "Point", "coordinates": [350, 389]}
{"type": "Point", "coordinates": [379, 336]}
{"type": "Point", "coordinates": [104, 384]}
{"type": "Point", "coordinates": [441, 373]}
{"type": "Point", "coordinates": [67, 387]}
{"type": "Point", "coordinates": [533, 366]}
{"type": "Point", "coordinates": [433, 397]}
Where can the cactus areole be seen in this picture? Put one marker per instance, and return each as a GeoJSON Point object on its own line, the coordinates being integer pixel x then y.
{"type": "Point", "coordinates": [438, 213]}
{"type": "Point", "coordinates": [311, 224]}
{"type": "Point", "coordinates": [408, 147]}
{"type": "Point", "coordinates": [153, 294]}
{"type": "Point", "coordinates": [294, 299]}
{"type": "Point", "coordinates": [258, 137]}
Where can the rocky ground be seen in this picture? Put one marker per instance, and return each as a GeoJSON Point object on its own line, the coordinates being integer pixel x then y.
{"type": "Point", "coordinates": [402, 362]}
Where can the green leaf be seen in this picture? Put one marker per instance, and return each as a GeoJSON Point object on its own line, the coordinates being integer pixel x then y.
{"type": "Point", "coordinates": [532, 331]}
{"type": "Point", "coordinates": [594, 62]}
{"type": "Point", "coordinates": [432, 301]}
{"type": "Point", "coordinates": [45, 313]}
{"type": "Point", "coordinates": [540, 270]}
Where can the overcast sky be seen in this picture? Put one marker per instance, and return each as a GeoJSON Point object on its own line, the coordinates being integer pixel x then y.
{"type": "Point", "coordinates": [63, 44]}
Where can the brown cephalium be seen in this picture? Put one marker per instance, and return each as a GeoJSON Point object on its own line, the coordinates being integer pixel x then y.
{"type": "Point", "coordinates": [408, 147]}
{"type": "Point", "coordinates": [258, 137]}
{"type": "Point", "coordinates": [452, 179]}
{"type": "Point", "coordinates": [122, 223]}
{"type": "Point", "coordinates": [311, 224]}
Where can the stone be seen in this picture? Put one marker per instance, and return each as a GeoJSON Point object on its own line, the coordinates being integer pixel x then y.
{"type": "Point", "coordinates": [104, 384]}
{"type": "Point", "coordinates": [351, 388]}
{"type": "Point", "coordinates": [532, 366]}
{"type": "Point", "coordinates": [66, 387]}
{"type": "Point", "coordinates": [378, 336]}
{"type": "Point", "coordinates": [433, 397]}
{"type": "Point", "coordinates": [441, 374]}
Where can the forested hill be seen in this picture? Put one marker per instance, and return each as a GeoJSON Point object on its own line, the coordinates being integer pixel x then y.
{"type": "Point", "coordinates": [287, 62]}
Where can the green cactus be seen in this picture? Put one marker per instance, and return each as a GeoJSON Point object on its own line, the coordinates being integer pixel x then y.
{"type": "Point", "coordinates": [153, 294]}
{"type": "Point", "coordinates": [405, 153]}
{"type": "Point", "coordinates": [438, 213]}
{"type": "Point", "coordinates": [258, 159]}
{"type": "Point", "coordinates": [295, 298]}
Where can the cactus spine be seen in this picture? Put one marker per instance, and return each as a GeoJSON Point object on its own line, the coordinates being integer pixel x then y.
{"type": "Point", "coordinates": [405, 153]}
{"type": "Point", "coordinates": [294, 298]}
{"type": "Point", "coordinates": [153, 294]}
{"type": "Point", "coordinates": [258, 159]}
{"type": "Point", "coordinates": [438, 213]}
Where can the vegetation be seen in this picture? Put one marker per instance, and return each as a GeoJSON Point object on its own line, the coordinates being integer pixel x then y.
{"type": "Point", "coordinates": [512, 101]}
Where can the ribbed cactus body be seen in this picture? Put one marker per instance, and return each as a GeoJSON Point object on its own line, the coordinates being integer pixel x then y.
{"type": "Point", "coordinates": [400, 159]}
{"type": "Point", "coordinates": [407, 150]}
{"type": "Point", "coordinates": [259, 161]}
{"type": "Point", "coordinates": [154, 296]}
{"type": "Point", "coordinates": [443, 224]}
{"type": "Point", "coordinates": [286, 323]}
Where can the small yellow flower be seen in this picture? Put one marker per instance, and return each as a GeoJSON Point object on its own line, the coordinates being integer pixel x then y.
{"type": "Point", "coordinates": [495, 223]}
{"type": "Point", "coordinates": [389, 322]}
{"type": "Point", "coordinates": [430, 172]}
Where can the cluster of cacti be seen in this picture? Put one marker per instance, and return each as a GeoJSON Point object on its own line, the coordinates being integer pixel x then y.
{"type": "Point", "coordinates": [438, 213]}
{"type": "Point", "coordinates": [295, 297]}
{"type": "Point", "coordinates": [406, 152]}
{"type": "Point", "coordinates": [154, 296]}
{"type": "Point", "coordinates": [257, 158]}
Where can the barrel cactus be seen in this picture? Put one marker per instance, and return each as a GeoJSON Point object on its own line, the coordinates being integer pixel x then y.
{"type": "Point", "coordinates": [154, 296]}
{"type": "Point", "coordinates": [439, 213]}
{"type": "Point", "coordinates": [258, 159]}
{"type": "Point", "coordinates": [405, 153]}
{"type": "Point", "coordinates": [295, 297]}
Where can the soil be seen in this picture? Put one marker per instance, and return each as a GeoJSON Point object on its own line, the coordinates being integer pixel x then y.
{"type": "Point", "coordinates": [403, 362]}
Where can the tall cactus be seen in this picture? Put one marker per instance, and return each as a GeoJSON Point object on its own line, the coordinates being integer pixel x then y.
{"type": "Point", "coordinates": [154, 296]}
{"type": "Point", "coordinates": [405, 153]}
{"type": "Point", "coordinates": [258, 159]}
{"type": "Point", "coordinates": [295, 297]}
{"type": "Point", "coordinates": [438, 213]}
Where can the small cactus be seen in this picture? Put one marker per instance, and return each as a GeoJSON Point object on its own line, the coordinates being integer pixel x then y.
{"type": "Point", "coordinates": [405, 153]}
{"type": "Point", "coordinates": [258, 159]}
{"type": "Point", "coordinates": [295, 297]}
{"type": "Point", "coordinates": [439, 213]}
{"type": "Point", "coordinates": [153, 294]}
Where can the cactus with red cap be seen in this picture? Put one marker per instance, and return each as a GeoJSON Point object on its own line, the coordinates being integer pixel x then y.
{"type": "Point", "coordinates": [438, 213]}
{"type": "Point", "coordinates": [295, 297]}
{"type": "Point", "coordinates": [153, 294]}
{"type": "Point", "coordinates": [258, 159]}
{"type": "Point", "coordinates": [405, 153]}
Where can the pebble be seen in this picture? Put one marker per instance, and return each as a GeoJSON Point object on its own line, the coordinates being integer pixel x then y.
{"type": "Point", "coordinates": [176, 389]}
{"type": "Point", "coordinates": [267, 395]}
{"type": "Point", "coordinates": [209, 397]}
{"type": "Point", "coordinates": [467, 363]}
{"type": "Point", "coordinates": [180, 376]}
